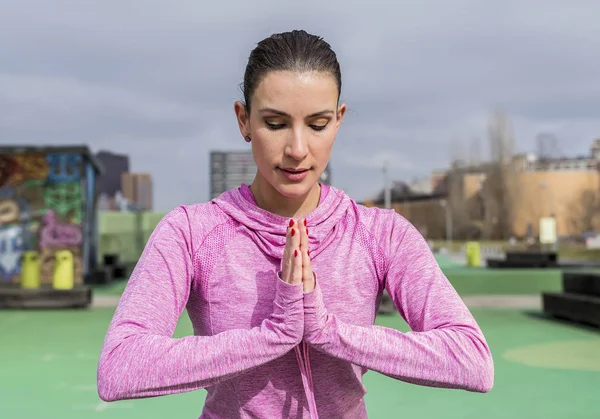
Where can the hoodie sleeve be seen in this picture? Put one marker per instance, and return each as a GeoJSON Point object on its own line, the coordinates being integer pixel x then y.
{"type": "Point", "coordinates": [140, 358]}
{"type": "Point", "coordinates": [445, 348]}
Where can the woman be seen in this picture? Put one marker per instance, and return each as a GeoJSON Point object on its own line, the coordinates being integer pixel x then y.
{"type": "Point", "coordinates": [282, 278]}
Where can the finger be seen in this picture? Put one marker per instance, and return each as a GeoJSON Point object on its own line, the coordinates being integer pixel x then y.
{"type": "Point", "coordinates": [308, 279]}
{"type": "Point", "coordinates": [296, 256]}
{"type": "Point", "coordinates": [288, 251]}
{"type": "Point", "coordinates": [307, 272]}
{"type": "Point", "coordinates": [303, 236]}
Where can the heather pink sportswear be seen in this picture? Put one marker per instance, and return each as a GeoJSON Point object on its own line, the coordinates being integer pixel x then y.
{"type": "Point", "coordinates": [264, 349]}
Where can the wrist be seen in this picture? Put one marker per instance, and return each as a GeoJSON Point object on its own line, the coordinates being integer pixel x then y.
{"type": "Point", "coordinates": [315, 316]}
{"type": "Point", "coordinates": [288, 309]}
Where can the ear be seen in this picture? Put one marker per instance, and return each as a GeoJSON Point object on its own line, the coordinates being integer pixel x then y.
{"type": "Point", "coordinates": [341, 111]}
{"type": "Point", "coordinates": [242, 117]}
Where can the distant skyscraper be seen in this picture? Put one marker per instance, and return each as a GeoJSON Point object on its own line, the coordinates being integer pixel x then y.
{"type": "Point", "coordinates": [137, 189]}
{"type": "Point", "coordinates": [114, 166]}
{"type": "Point", "coordinates": [229, 169]}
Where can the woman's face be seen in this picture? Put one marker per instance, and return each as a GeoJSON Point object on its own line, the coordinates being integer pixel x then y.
{"type": "Point", "coordinates": [293, 123]}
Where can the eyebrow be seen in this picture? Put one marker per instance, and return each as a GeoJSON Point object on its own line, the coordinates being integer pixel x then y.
{"type": "Point", "coordinates": [281, 113]}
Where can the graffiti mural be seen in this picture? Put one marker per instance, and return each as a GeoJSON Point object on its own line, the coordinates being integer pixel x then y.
{"type": "Point", "coordinates": [42, 208]}
{"type": "Point", "coordinates": [8, 166]}
{"type": "Point", "coordinates": [9, 212]}
{"type": "Point", "coordinates": [29, 166]}
{"type": "Point", "coordinates": [32, 193]}
{"type": "Point", "coordinates": [11, 249]}
{"type": "Point", "coordinates": [64, 167]}
{"type": "Point", "coordinates": [55, 234]}
{"type": "Point", "coordinates": [65, 199]}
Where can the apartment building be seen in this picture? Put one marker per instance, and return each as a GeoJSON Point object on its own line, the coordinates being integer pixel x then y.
{"type": "Point", "coordinates": [566, 188]}
{"type": "Point", "coordinates": [137, 188]}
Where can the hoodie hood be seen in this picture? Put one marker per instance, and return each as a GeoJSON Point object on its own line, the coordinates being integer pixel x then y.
{"type": "Point", "coordinates": [268, 230]}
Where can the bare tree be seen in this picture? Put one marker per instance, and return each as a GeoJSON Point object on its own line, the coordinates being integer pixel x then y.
{"type": "Point", "coordinates": [584, 212]}
{"type": "Point", "coordinates": [500, 186]}
{"type": "Point", "coordinates": [458, 200]}
{"type": "Point", "coordinates": [457, 151]}
{"type": "Point", "coordinates": [475, 151]}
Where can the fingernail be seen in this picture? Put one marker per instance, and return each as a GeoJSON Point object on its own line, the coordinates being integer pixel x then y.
{"type": "Point", "coordinates": [295, 253]}
{"type": "Point", "coordinates": [293, 231]}
{"type": "Point", "coordinates": [308, 252]}
{"type": "Point", "coordinates": [291, 223]}
{"type": "Point", "coordinates": [305, 221]}
{"type": "Point", "coordinates": [306, 230]}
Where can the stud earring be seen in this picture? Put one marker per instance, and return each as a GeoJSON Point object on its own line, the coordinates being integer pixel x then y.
{"type": "Point", "coordinates": [247, 138]}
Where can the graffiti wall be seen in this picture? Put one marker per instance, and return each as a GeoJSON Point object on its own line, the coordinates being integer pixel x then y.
{"type": "Point", "coordinates": [41, 209]}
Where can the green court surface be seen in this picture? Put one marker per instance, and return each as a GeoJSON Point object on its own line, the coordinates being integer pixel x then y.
{"type": "Point", "coordinates": [544, 369]}
{"type": "Point", "coordinates": [467, 281]}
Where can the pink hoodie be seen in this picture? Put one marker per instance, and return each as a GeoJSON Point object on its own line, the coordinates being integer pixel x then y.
{"type": "Point", "coordinates": [264, 349]}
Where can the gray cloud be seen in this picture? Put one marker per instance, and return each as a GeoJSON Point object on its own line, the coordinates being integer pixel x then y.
{"type": "Point", "coordinates": [158, 79]}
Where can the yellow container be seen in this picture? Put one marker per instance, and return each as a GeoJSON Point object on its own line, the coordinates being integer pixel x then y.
{"type": "Point", "coordinates": [64, 272]}
{"type": "Point", "coordinates": [473, 251]}
{"type": "Point", "coordinates": [31, 272]}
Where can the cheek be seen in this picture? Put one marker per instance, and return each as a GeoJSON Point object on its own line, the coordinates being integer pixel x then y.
{"type": "Point", "coordinates": [265, 149]}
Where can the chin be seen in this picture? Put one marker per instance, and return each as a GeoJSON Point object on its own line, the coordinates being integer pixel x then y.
{"type": "Point", "coordinates": [293, 189]}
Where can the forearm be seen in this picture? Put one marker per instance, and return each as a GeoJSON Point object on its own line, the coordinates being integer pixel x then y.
{"type": "Point", "coordinates": [137, 362]}
{"type": "Point", "coordinates": [450, 356]}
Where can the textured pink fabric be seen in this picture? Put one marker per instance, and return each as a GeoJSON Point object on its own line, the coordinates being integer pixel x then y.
{"type": "Point", "coordinates": [264, 349]}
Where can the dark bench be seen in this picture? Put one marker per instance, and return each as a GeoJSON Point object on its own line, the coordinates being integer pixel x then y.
{"type": "Point", "coordinates": [579, 301]}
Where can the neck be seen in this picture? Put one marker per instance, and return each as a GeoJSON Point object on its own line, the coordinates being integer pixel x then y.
{"type": "Point", "coordinates": [269, 199]}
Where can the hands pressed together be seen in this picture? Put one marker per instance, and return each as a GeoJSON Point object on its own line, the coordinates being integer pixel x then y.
{"type": "Point", "coordinates": [296, 256]}
{"type": "Point", "coordinates": [309, 318]}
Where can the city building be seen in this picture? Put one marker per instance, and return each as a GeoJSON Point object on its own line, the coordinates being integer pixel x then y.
{"type": "Point", "coordinates": [421, 186]}
{"type": "Point", "coordinates": [137, 188]}
{"type": "Point", "coordinates": [532, 163]}
{"type": "Point", "coordinates": [481, 206]}
{"type": "Point", "coordinates": [230, 169]}
{"type": "Point", "coordinates": [109, 183]}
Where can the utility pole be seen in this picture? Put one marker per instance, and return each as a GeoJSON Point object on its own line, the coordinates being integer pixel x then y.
{"type": "Point", "coordinates": [386, 187]}
{"type": "Point", "coordinates": [444, 203]}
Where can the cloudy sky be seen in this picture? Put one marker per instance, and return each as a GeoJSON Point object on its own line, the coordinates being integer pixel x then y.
{"type": "Point", "coordinates": [157, 79]}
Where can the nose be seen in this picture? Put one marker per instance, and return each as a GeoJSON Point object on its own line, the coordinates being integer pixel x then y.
{"type": "Point", "coordinates": [297, 147]}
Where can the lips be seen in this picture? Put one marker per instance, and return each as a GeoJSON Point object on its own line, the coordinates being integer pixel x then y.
{"type": "Point", "coordinates": [293, 170]}
{"type": "Point", "coordinates": [294, 175]}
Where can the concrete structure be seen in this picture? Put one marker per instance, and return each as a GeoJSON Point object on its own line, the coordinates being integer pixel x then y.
{"type": "Point", "coordinates": [48, 205]}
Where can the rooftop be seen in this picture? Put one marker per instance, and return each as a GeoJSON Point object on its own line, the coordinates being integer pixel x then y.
{"type": "Point", "coordinates": [78, 149]}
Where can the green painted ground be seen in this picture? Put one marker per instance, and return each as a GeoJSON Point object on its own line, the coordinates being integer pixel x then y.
{"type": "Point", "coordinates": [50, 357]}
{"type": "Point", "coordinates": [467, 281]}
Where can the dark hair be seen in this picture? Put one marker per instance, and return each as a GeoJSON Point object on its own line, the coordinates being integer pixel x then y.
{"type": "Point", "coordinates": [296, 51]}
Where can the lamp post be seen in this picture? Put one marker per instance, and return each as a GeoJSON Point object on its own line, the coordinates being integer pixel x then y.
{"type": "Point", "coordinates": [446, 207]}
{"type": "Point", "coordinates": [386, 188]}
{"type": "Point", "coordinates": [550, 197]}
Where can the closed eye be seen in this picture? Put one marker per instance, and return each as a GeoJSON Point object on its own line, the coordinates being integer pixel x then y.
{"type": "Point", "coordinates": [275, 126]}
